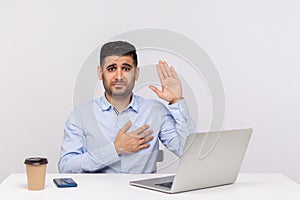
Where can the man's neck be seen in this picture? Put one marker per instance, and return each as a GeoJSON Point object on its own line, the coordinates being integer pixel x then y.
{"type": "Point", "coordinates": [120, 103]}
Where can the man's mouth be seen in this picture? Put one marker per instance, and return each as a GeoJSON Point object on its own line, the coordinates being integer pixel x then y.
{"type": "Point", "coordinates": [118, 84]}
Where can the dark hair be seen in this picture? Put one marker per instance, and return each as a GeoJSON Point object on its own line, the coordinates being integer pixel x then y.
{"type": "Point", "coordinates": [118, 48]}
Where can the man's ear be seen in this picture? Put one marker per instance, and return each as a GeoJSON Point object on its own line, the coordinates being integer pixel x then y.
{"type": "Point", "coordinates": [137, 73]}
{"type": "Point", "coordinates": [99, 71]}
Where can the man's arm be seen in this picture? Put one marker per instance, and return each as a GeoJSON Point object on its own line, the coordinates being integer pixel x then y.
{"type": "Point", "coordinates": [184, 125]}
{"type": "Point", "coordinates": [177, 123]}
{"type": "Point", "coordinates": [76, 158]}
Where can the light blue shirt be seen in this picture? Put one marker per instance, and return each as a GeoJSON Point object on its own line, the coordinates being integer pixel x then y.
{"type": "Point", "coordinates": [91, 129]}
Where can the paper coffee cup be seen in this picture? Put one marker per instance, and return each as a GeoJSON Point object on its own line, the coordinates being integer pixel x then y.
{"type": "Point", "coordinates": [36, 172]}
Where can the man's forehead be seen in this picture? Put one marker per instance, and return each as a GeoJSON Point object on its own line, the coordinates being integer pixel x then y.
{"type": "Point", "coordinates": [118, 59]}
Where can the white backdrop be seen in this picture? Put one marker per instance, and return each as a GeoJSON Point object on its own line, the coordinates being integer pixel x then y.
{"type": "Point", "coordinates": [253, 44]}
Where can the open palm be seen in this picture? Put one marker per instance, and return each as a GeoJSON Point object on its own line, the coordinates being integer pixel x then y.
{"type": "Point", "coordinates": [171, 90]}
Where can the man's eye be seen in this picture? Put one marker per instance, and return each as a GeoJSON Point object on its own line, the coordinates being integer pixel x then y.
{"type": "Point", "coordinates": [111, 69]}
{"type": "Point", "coordinates": [126, 69]}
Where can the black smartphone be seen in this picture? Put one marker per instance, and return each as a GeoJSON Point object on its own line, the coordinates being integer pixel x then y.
{"type": "Point", "coordinates": [64, 182]}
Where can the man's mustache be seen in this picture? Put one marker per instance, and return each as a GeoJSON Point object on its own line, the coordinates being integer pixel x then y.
{"type": "Point", "coordinates": [119, 82]}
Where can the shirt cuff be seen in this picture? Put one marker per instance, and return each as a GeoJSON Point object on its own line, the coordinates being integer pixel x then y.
{"type": "Point", "coordinates": [179, 109]}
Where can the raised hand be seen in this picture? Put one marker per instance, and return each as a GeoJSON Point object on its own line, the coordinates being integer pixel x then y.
{"type": "Point", "coordinates": [171, 86]}
{"type": "Point", "coordinates": [133, 141]}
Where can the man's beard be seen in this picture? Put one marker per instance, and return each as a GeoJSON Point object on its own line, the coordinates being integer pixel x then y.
{"type": "Point", "coordinates": [122, 92]}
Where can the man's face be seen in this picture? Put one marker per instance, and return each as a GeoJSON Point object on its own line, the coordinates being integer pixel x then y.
{"type": "Point", "coordinates": [118, 74]}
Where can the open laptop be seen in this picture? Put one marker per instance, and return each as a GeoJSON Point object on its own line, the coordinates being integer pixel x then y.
{"type": "Point", "coordinates": [209, 159]}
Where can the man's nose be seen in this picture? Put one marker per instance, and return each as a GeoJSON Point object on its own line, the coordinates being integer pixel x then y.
{"type": "Point", "coordinates": [119, 73]}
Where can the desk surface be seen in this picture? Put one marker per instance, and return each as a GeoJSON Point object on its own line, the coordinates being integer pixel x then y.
{"type": "Point", "coordinates": [116, 186]}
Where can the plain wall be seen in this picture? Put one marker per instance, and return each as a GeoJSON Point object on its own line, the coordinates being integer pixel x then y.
{"type": "Point", "coordinates": [253, 44]}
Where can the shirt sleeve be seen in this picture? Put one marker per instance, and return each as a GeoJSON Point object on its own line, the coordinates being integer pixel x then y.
{"type": "Point", "coordinates": [75, 158]}
{"type": "Point", "coordinates": [176, 126]}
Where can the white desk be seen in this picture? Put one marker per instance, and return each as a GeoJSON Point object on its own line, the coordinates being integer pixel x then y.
{"type": "Point", "coordinates": [115, 186]}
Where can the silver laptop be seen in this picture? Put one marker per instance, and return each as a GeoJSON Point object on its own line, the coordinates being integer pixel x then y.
{"type": "Point", "coordinates": [209, 159]}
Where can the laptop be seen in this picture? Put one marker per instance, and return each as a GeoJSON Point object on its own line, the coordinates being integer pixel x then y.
{"type": "Point", "coordinates": [209, 159]}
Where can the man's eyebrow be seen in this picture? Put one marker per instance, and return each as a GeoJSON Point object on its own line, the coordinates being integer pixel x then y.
{"type": "Point", "coordinates": [126, 64]}
{"type": "Point", "coordinates": [123, 64]}
{"type": "Point", "coordinates": [111, 65]}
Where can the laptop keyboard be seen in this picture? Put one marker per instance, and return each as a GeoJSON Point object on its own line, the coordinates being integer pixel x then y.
{"type": "Point", "coordinates": [167, 185]}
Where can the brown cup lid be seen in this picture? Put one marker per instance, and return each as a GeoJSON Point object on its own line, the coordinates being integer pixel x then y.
{"type": "Point", "coordinates": [36, 161]}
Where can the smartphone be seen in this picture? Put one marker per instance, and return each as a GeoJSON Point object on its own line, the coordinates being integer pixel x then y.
{"type": "Point", "coordinates": [64, 182]}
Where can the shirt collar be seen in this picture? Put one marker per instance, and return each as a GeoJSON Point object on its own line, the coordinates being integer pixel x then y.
{"type": "Point", "coordinates": [105, 105]}
{"type": "Point", "coordinates": [133, 104]}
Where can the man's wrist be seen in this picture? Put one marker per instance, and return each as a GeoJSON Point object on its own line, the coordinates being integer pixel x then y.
{"type": "Point", "coordinates": [117, 149]}
{"type": "Point", "coordinates": [175, 100]}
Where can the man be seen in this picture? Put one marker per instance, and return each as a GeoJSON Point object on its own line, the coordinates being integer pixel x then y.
{"type": "Point", "coordinates": [119, 132]}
